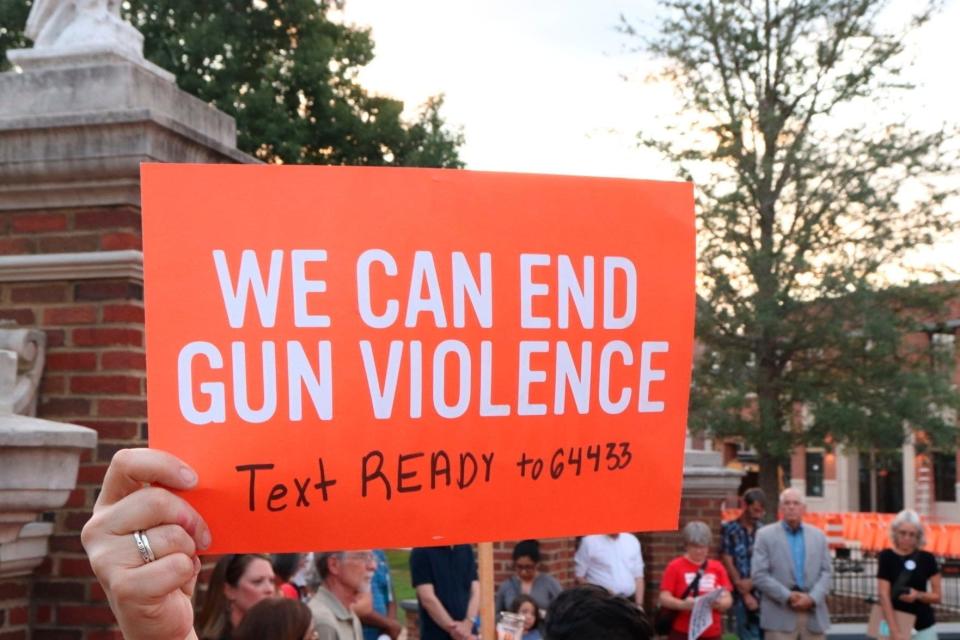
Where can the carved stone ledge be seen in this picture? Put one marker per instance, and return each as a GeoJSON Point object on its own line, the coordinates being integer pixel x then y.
{"type": "Point", "coordinates": [39, 459]}
{"type": "Point", "coordinates": [25, 553]}
{"type": "Point", "coordinates": [91, 265]}
{"type": "Point", "coordinates": [704, 474]}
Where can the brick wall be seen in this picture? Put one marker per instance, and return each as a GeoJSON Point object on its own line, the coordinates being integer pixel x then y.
{"type": "Point", "coordinates": [95, 377]}
{"type": "Point", "coordinates": [14, 609]}
{"type": "Point", "coordinates": [70, 230]}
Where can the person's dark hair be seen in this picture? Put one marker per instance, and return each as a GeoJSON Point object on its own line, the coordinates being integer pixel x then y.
{"type": "Point", "coordinates": [589, 612]}
{"type": "Point", "coordinates": [213, 621]}
{"type": "Point", "coordinates": [286, 564]}
{"type": "Point", "coordinates": [528, 548]}
{"type": "Point", "coordinates": [754, 495]}
{"type": "Point", "coordinates": [519, 600]}
{"type": "Point", "coordinates": [276, 619]}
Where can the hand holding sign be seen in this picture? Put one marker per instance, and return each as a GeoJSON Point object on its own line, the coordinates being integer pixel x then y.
{"type": "Point", "coordinates": [337, 348]}
{"type": "Point", "coordinates": [150, 594]}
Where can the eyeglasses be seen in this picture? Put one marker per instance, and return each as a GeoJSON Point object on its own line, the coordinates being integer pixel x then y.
{"type": "Point", "coordinates": [366, 557]}
{"type": "Point", "coordinates": [908, 533]}
{"type": "Point", "coordinates": [525, 566]}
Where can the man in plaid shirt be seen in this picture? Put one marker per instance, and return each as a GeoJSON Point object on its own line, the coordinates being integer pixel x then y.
{"type": "Point", "coordinates": [736, 548]}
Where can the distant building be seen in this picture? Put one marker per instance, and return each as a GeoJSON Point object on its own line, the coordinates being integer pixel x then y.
{"type": "Point", "coordinates": [837, 478]}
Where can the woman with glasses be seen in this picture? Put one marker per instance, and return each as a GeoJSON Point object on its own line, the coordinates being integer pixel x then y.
{"type": "Point", "coordinates": [527, 580]}
{"type": "Point", "coordinates": [903, 575]}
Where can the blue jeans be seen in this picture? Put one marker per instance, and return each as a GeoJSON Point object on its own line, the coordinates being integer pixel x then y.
{"type": "Point", "coordinates": [745, 629]}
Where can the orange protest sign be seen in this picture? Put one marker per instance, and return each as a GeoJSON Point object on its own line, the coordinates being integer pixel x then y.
{"type": "Point", "coordinates": [370, 357]}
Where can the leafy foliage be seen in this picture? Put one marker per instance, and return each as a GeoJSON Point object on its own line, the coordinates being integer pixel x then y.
{"type": "Point", "coordinates": [288, 73]}
{"type": "Point", "coordinates": [13, 15]}
{"type": "Point", "coordinates": [802, 213]}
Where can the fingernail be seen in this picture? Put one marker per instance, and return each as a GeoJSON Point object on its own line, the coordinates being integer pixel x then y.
{"type": "Point", "coordinates": [188, 475]}
{"type": "Point", "coordinates": [204, 540]}
{"type": "Point", "coordinates": [196, 564]}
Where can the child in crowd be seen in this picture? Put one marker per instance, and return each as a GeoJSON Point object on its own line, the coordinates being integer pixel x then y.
{"type": "Point", "coordinates": [527, 607]}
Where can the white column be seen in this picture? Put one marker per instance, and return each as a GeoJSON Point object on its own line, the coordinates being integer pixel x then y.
{"type": "Point", "coordinates": [843, 480]}
{"type": "Point", "coordinates": [910, 476]}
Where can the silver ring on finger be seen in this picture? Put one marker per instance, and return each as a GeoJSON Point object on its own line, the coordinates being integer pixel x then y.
{"type": "Point", "coordinates": [143, 546]}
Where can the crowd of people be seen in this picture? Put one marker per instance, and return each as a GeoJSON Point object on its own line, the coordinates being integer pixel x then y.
{"type": "Point", "coordinates": [144, 543]}
{"type": "Point", "coordinates": [781, 575]}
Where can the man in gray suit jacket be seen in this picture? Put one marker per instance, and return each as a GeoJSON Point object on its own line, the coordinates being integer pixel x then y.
{"type": "Point", "coordinates": [791, 570]}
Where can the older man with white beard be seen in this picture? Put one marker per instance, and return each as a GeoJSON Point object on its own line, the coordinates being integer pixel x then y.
{"type": "Point", "coordinates": [344, 575]}
{"type": "Point", "coordinates": [791, 570]}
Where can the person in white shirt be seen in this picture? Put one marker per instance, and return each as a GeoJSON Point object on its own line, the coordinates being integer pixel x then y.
{"type": "Point", "coordinates": [612, 561]}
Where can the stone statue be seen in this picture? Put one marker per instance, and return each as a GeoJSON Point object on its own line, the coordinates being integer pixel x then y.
{"type": "Point", "coordinates": [22, 354]}
{"type": "Point", "coordinates": [71, 24]}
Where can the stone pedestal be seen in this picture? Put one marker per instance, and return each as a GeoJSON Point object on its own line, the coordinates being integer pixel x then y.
{"type": "Point", "coordinates": [76, 122]}
{"type": "Point", "coordinates": [38, 470]}
{"type": "Point", "coordinates": [75, 136]}
{"type": "Point", "coordinates": [38, 458]}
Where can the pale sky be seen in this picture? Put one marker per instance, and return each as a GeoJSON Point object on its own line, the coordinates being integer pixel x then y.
{"type": "Point", "coordinates": [535, 84]}
{"type": "Point", "coordinates": [538, 87]}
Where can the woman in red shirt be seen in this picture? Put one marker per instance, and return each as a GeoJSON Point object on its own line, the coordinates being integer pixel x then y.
{"type": "Point", "coordinates": [677, 589]}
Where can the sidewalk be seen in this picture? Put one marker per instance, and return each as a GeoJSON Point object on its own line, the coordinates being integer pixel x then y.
{"type": "Point", "coordinates": [945, 631]}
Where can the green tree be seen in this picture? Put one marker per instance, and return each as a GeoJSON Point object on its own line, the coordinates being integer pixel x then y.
{"type": "Point", "coordinates": [803, 208]}
{"type": "Point", "coordinates": [13, 16]}
{"type": "Point", "coordinates": [288, 73]}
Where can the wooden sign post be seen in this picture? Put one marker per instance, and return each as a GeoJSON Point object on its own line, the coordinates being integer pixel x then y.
{"type": "Point", "coordinates": [488, 613]}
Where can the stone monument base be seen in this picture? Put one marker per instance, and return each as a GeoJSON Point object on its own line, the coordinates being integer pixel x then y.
{"type": "Point", "coordinates": [80, 56]}
{"type": "Point", "coordinates": [76, 136]}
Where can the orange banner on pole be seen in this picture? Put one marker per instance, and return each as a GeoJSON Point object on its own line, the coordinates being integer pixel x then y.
{"type": "Point", "coordinates": [371, 357]}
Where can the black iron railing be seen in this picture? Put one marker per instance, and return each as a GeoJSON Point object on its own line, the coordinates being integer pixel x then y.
{"type": "Point", "coordinates": [854, 587]}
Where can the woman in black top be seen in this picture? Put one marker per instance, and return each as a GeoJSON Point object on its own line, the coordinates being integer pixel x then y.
{"type": "Point", "coordinates": [903, 573]}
